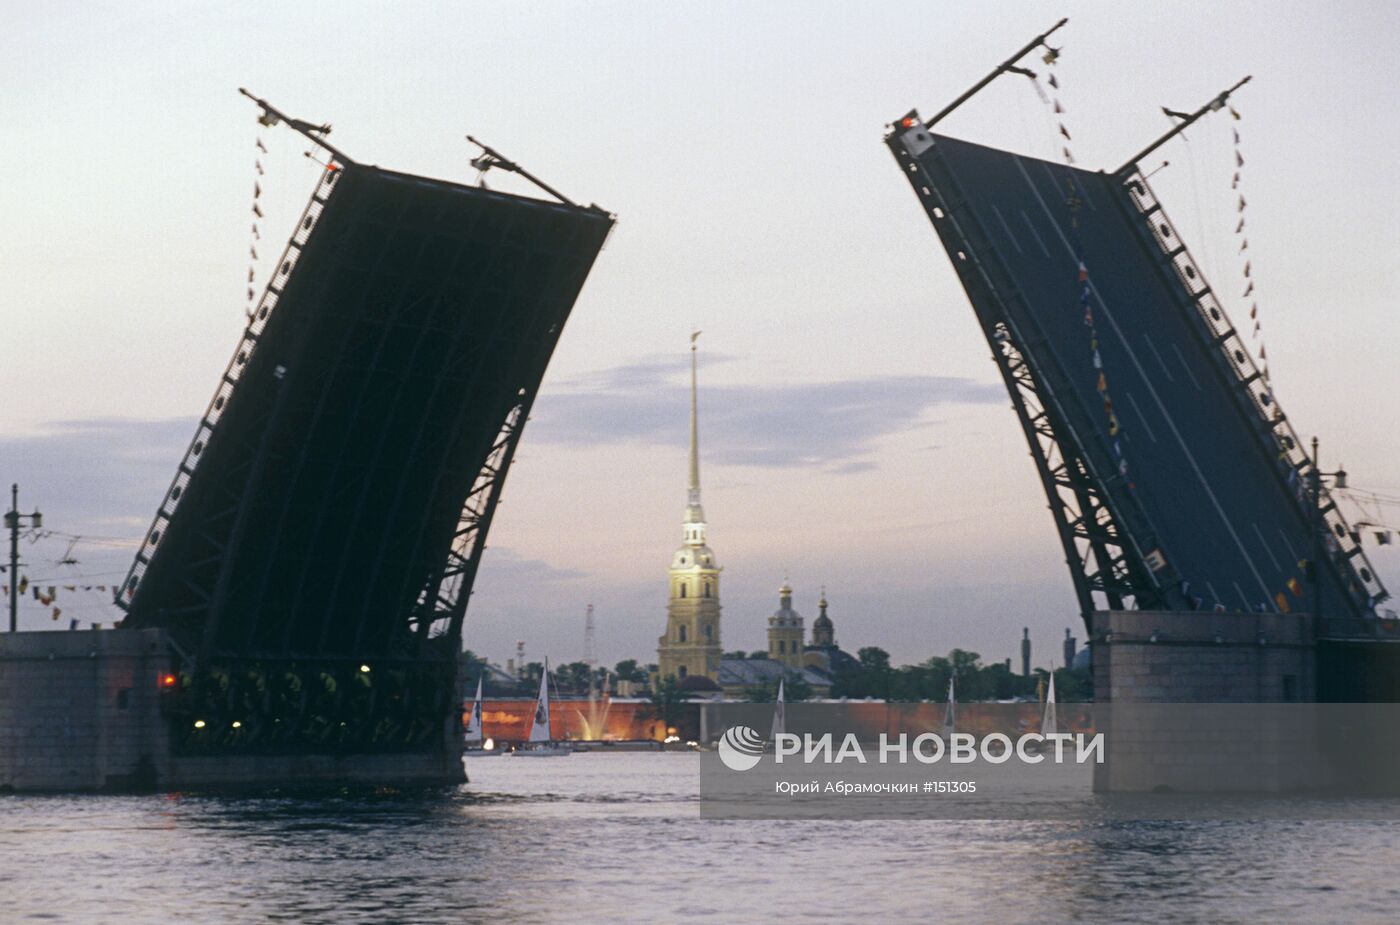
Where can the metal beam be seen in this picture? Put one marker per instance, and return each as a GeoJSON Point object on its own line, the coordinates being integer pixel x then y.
{"type": "Point", "coordinates": [1212, 106]}
{"type": "Point", "coordinates": [1009, 65]}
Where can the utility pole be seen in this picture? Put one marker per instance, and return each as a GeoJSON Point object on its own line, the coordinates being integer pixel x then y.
{"type": "Point", "coordinates": [12, 520]}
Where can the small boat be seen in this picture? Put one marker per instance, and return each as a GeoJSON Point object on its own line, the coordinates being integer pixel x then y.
{"type": "Point", "coordinates": [950, 712]}
{"type": "Point", "coordinates": [540, 745]}
{"type": "Point", "coordinates": [1049, 721]}
{"type": "Point", "coordinates": [472, 738]}
{"type": "Point", "coordinates": [779, 713]}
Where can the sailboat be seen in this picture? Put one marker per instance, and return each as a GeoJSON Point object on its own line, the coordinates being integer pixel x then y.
{"type": "Point", "coordinates": [950, 712]}
{"type": "Point", "coordinates": [779, 714]}
{"type": "Point", "coordinates": [473, 736]}
{"type": "Point", "coordinates": [1049, 722]}
{"type": "Point", "coordinates": [540, 744]}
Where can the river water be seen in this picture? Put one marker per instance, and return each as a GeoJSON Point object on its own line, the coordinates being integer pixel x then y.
{"type": "Point", "coordinates": [602, 838]}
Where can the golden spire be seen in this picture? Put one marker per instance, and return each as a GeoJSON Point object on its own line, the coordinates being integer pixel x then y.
{"type": "Point", "coordinates": [694, 513]}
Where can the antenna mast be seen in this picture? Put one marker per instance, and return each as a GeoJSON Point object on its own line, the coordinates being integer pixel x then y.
{"type": "Point", "coordinates": [589, 656]}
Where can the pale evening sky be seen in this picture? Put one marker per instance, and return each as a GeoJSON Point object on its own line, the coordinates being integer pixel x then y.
{"type": "Point", "coordinates": [853, 432]}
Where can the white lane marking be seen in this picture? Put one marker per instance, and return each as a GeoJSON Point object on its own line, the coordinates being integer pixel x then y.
{"type": "Point", "coordinates": [1215, 594]}
{"type": "Point", "coordinates": [1160, 362]}
{"type": "Point", "coordinates": [1161, 406]}
{"type": "Point", "coordinates": [1248, 607]}
{"type": "Point", "coordinates": [1142, 418]}
{"type": "Point", "coordinates": [1007, 228]}
{"type": "Point", "coordinates": [1267, 551]}
{"type": "Point", "coordinates": [1035, 234]}
{"type": "Point", "coordinates": [1184, 365]}
{"type": "Point", "coordinates": [1289, 546]}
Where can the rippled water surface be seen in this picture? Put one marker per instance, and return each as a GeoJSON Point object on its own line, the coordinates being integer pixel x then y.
{"type": "Point", "coordinates": [616, 838]}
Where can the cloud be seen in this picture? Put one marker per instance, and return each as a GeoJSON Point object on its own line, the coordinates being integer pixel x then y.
{"type": "Point", "coordinates": [831, 425]}
{"type": "Point", "coordinates": [91, 474]}
{"type": "Point", "coordinates": [507, 568]}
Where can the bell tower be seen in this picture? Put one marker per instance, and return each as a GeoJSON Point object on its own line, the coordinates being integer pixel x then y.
{"type": "Point", "coordinates": [785, 631]}
{"type": "Point", "coordinates": [691, 644]}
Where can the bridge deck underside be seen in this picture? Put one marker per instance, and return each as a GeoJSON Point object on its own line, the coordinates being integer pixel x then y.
{"type": "Point", "coordinates": [418, 317]}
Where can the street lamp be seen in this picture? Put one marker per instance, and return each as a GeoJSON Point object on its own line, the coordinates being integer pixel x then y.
{"type": "Point", "coordinates": [1317, 479]}
{"type": "Point", "coordinates": [12, 522]}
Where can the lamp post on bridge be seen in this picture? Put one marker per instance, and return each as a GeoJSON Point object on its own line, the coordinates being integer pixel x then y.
{"type": "Point", "coordinates": [12, 521]}
{"type": "Point", "coordinates": [1317, 480]}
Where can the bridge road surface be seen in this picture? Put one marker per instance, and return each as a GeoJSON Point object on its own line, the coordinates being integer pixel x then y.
{"type": "Point", "coordinates": [1225, 518]}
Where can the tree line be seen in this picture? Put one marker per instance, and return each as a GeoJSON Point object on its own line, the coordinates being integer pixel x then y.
{"type": "Point", "coordinates": [871, 676]}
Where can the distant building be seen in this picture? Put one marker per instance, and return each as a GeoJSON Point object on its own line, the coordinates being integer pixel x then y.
{"type": "Point", "coordinates": [738, 676]}
{"type": "Point", "coordinates": [824, 654]}
{"type": "Point", "coordinates": [690, 647]}
{"type": "Point", "coordinates": [816, 664]}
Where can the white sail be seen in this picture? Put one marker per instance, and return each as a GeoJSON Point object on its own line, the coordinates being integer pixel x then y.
{"type": "Point", "coordinates": [779, 713]}
{"type": "Point", "coordinates": [539, 728]}
{"type": "Point", "coordinates": [950, 712]}
{"type": "Point", "coordinates": [1049, 722]}
{"type": "Point", "coordinates": [473, 733]}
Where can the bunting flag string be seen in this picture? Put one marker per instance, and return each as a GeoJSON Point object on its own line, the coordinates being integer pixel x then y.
{"type": "Point", "coordinates": [50, 594]}
{"type": "Point", "coordinates": [256, 234]}
{"type": "Point", "coordinates": [47, 595]}
{"type": "Point", "coordinates": [1074, 200]}
{"type": "Point", "coordinates": [1292, 586]}
{"type": "Point", "coordinates": [1241, 206]}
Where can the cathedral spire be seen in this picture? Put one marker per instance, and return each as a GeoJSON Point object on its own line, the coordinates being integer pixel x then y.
{"type": "Point", "coordinates": [694, 514]}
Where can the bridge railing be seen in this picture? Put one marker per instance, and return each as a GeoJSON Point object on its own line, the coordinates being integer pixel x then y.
{"type": "Point", "coordinates": [1295, 466]}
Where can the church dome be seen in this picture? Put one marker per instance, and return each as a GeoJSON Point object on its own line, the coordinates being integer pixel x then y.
{"type": "Point", "coordinates": [785, 615]}
{"type": "Point", "coordinates": [823, 630]}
